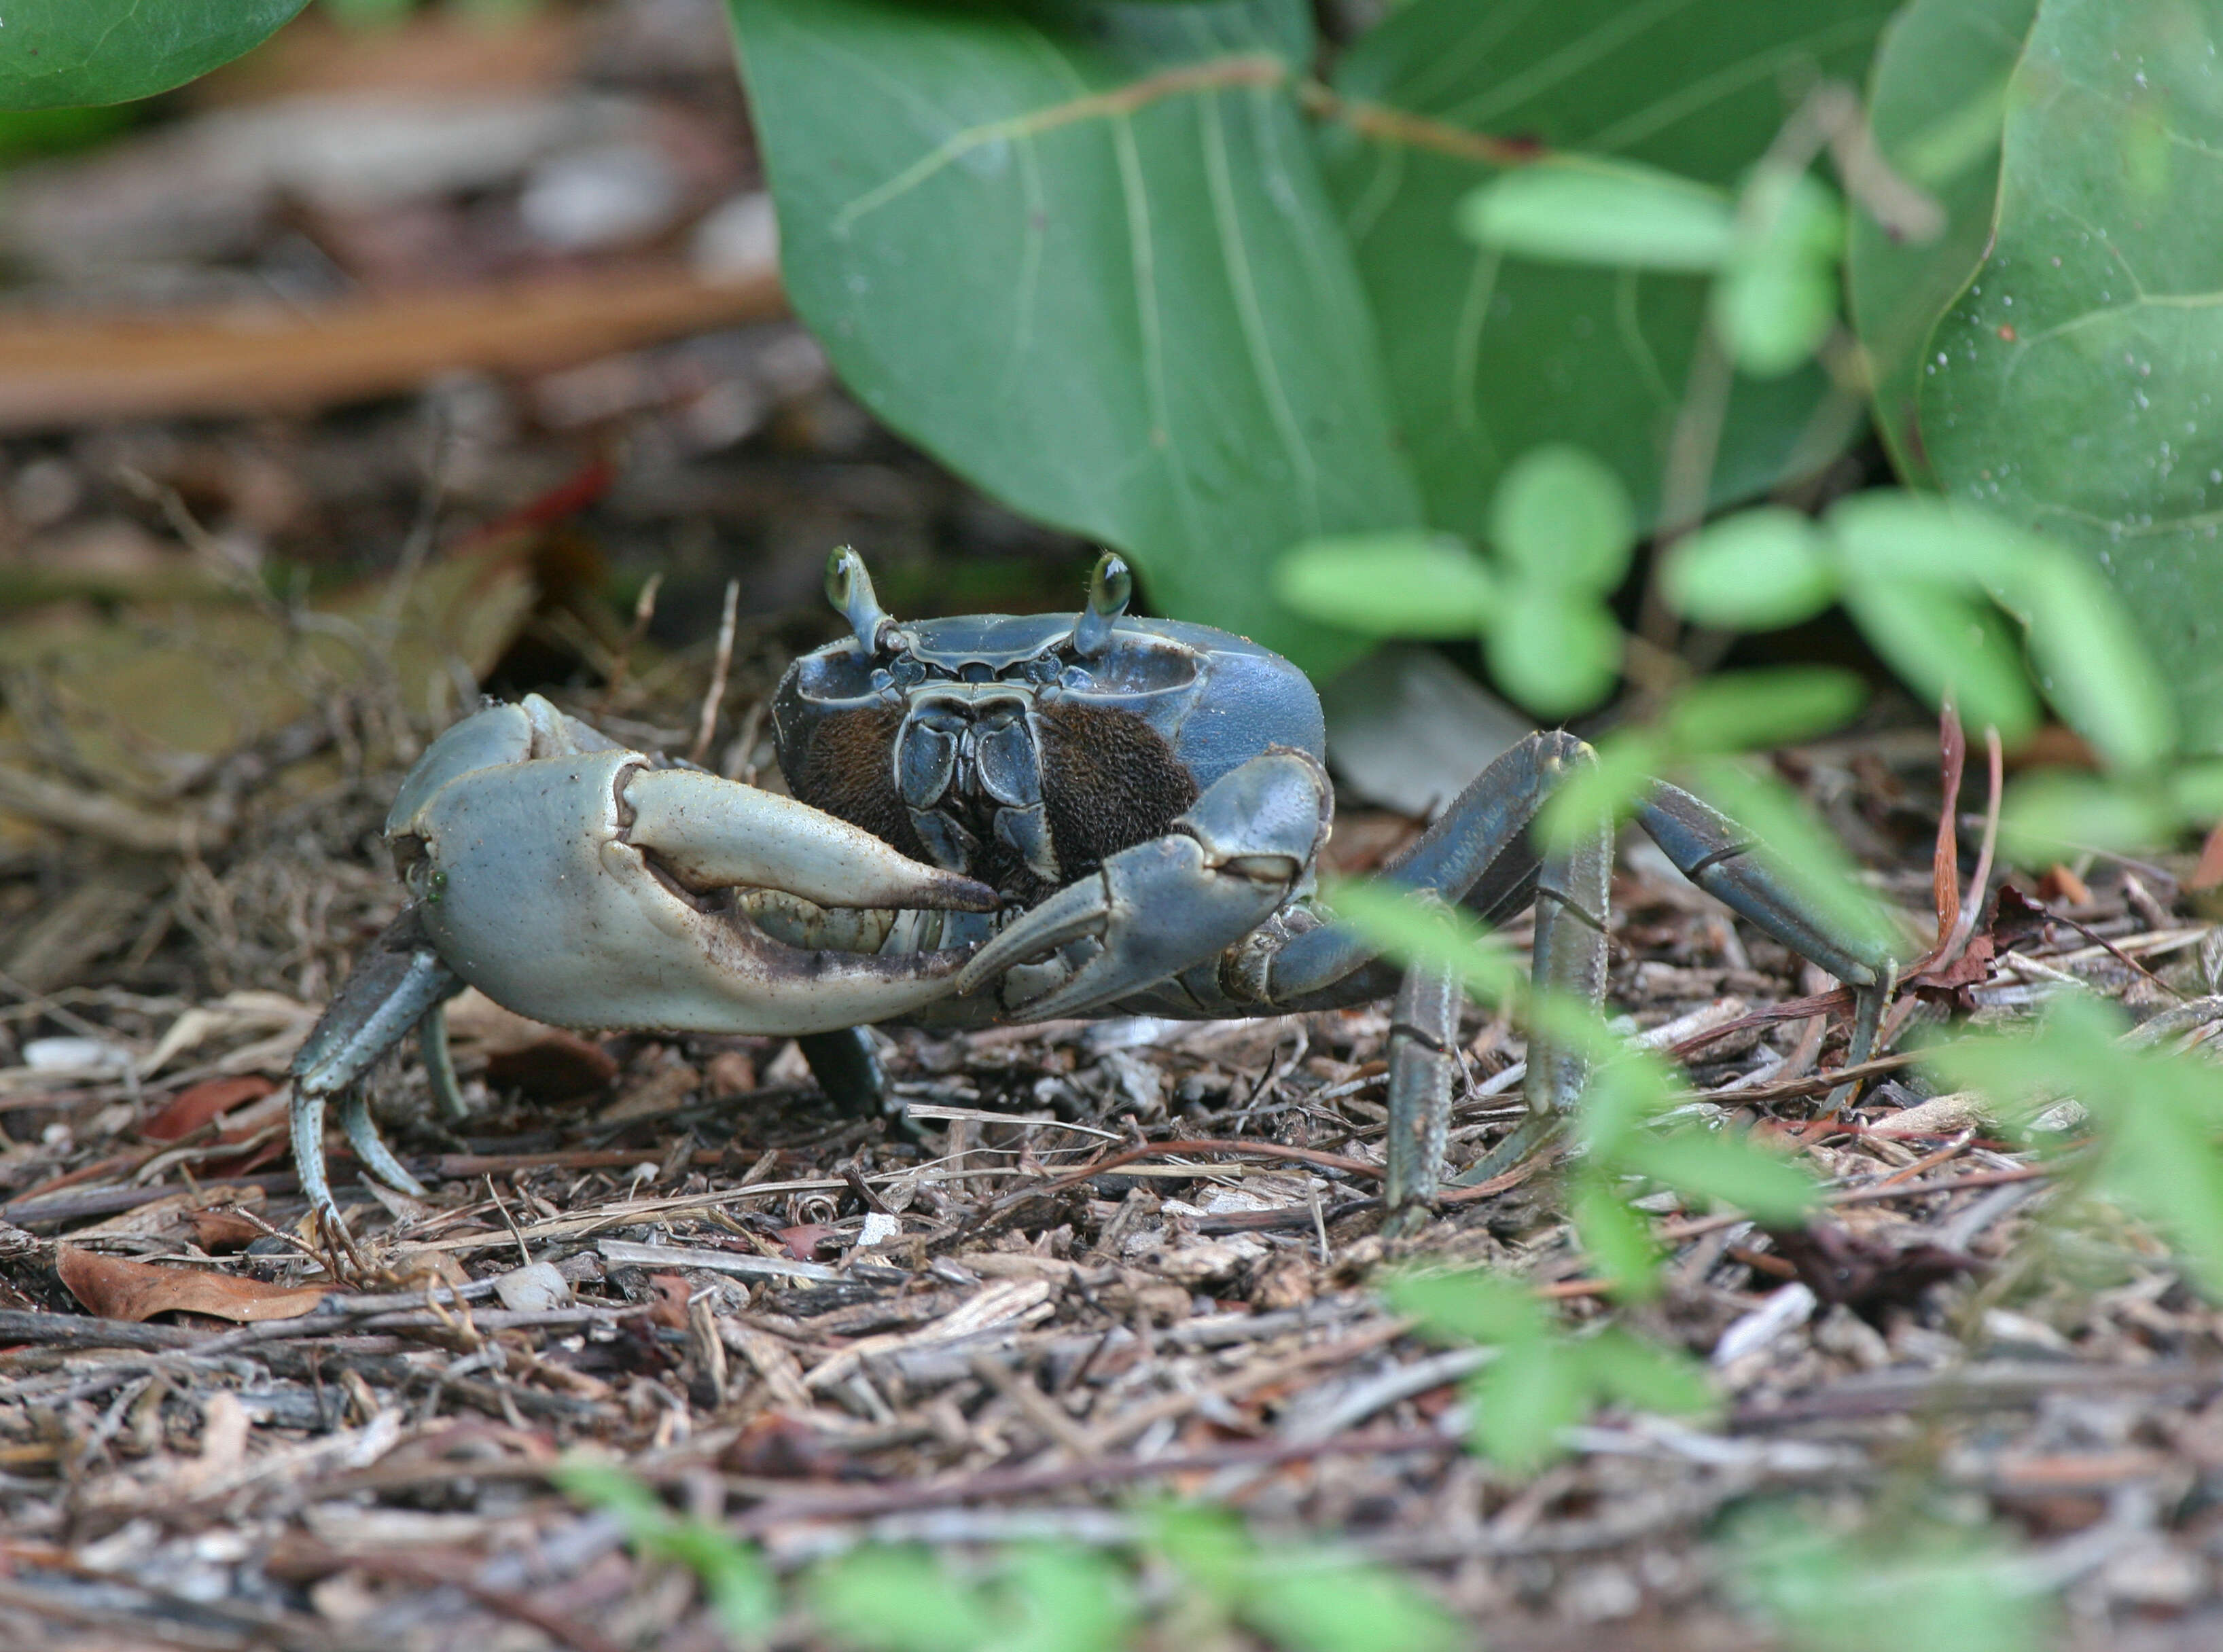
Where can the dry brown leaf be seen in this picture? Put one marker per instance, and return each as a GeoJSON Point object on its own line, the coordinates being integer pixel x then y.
{"type": "Point", "coordinates": [58, 371]}
{"type": "Point", "coordinates": [114, 1288]}
{"type": "Point", "coordinates": [192, 1108]}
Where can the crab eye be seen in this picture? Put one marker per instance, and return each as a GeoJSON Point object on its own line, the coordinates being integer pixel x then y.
{"type": "Point", "coordinates": [849, 588]}
{"type": "Point", "coordinates": [1109, 588]}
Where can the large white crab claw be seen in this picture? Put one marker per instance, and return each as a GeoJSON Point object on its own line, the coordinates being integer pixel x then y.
{"type": "Point", "coordinates": [570, 879]}
{"type": "Point", "coordinates": [583, 887]}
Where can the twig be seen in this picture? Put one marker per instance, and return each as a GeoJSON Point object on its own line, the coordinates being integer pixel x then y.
{"type": "Point", "coordinates": [1692, 1228]}
{"type": "Point", "coordinates": [867, 1502]}
{"type": "Point", "coordinates": [707, 725]}
{"type": "Point", "coordinates": [643, 610]}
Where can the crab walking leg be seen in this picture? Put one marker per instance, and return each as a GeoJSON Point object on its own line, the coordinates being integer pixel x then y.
{"type": "Point", "coordinates": [1715, 853]}
{"type": "Point", "coordinates": [1158, 908]}
{"type": "Point", "coordinates": [370, 1146]}
{"type": "Point", "coordinates": [440, 1063]}
{"type": "Point", "coordinates": [1423, 1028]}
{"type": "Point", "coordinates": [1567, 964]}
{"type": "Point", "coordinates": [1477, 853]}
{"type": "Point", "coordinates": [401, 982]}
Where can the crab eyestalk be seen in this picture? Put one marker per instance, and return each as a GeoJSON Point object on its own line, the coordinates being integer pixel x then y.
{"type": "Point", "coordinates": [849, 588]}
{"type": "Point", "coordinates": [1108, 589]}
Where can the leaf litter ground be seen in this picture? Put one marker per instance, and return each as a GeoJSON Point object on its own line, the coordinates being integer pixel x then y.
{"type": "Point", "coordinates": [1105, 1262]}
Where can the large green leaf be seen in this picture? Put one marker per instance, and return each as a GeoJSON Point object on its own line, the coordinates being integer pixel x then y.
{"type": "Point", "coordinates": [1488, 355]}
{"type": "Point", "coordinates": [1081, 252]}
{"type": "Point", "coordinates": [60, 53]}
{"type": "Point", "coordinates": [1937, 102]}
{"type": "Point", "coordinates": [2076, 384]}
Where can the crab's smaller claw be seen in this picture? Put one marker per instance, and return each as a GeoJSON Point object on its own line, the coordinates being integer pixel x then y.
{"type": "Point", "coordinates": [1164, 906]}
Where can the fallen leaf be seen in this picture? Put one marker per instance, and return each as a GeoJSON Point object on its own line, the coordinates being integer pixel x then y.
{"type": "Point", "coordinates": [58, 371]}
{"type": "Point", "coordinates": [803, 1243]}
{"type": "Point", "coordinates": [224, 1230]}
{"type": "Point", "coordinates": [192, 1108]}
{"type": "Point", "coordinates": [669, 1310]}
{"type": "Point", "coordinates": [114, 1288]}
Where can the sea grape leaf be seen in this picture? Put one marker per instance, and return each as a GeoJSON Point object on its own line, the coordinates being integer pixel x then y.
{"type": "Point", "coordinates": [1936, 103]}
{"type": "Point", "coordinates": [1488, 356]}
{"type": "Point", "coordinates": [63, 54]}
{"type": "Point", "coordinates": [1082, 253]}
{"type": "Point", "coordinates": [2073, 386]}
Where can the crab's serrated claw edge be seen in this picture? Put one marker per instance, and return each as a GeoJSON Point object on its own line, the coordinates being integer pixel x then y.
{"type": "Point", "coordinates": [715, 833]}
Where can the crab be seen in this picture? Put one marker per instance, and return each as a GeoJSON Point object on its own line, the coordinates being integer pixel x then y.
{"type": "Point", "coordinates": [993, 819]}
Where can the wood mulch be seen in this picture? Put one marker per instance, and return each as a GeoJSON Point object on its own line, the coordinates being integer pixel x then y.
{"type": "Point", "coordinates": [1105, 1260]}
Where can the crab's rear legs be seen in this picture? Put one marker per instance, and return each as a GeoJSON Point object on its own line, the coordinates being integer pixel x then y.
{"type": "Point", "coordinates": [1479, 853]}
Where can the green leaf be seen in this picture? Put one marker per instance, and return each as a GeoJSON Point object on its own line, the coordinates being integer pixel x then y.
{"type": "Point", "coordinates": [1556, 652]}
{"type": "Point", "coordinates": [1083, 257]}
{"type": "Point", "coordinates": [1937, 102]}
{"type": "Point", "coordinates": [1617, 1239]}
{"type": "Point", "coordinates": [1886, 535]}
{"type": "Point", "coordinates": [2195, 791]}
{"type": "Point", "coordinates": [1523, 1401]}
{"type": "Point", "coordinates": [1628, 1087]}
{"type": "Point", "coordinates": [1471, 1307]}
{"type": "Point", "coordinates": [890, 1599]}
{"type": "Point", "coordinates": [733, 1576]}
{"type": "Point", "coordinates": [1205, 1542]}
{"type": "Point", "coordinates": [1722, 1168]}
{"type": "Point", "coordinates": [2073, 382]}
{"type": "Point", "coordinates": [1920, 1588]}
{"type": "Point", "coordinates": [58, 53]}
{"type": "Point", "coordinates": [594, 1482]}
{"type": "Point", "coordinates": [2093, 664]}
{"type": "Point", "coordinates": [1754, 571]}
{"type": "Point", "coordinates": [1643, 1375]}
{"type": "Point", "coordinates": [1777, 299]}
{"type": "Point", "coordinates": [1388, 584]}
{"type": "Point", "coordinates": [1562, 518]}
{"type": "Point", "coordinates": [1489, 354]}
{"type": "Point", "coordinates": [1582, 209]}
{"type": "Point", "coordinates": [2162, 1161]}
{"type": "Point", "coordinates": [2073, 1050]}
{"type": "Point", "coordinates": [1410, 930]}
{"type": "Point", "coordinates": [1065, 1599]}
{"type": "Point", "coordinates": [1744, 711]}
{"type": "Point", "coordinates": [1792, 847]}
{"type": "Point", "coordinates": [2049, 815]}
{"type": "Point", "coordinates": [1940, 641]}
{"type": "Point", "coordinates": [1320, 1604]}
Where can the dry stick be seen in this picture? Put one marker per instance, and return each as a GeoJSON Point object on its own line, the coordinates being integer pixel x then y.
{"type": "Point", "coordinates": [643, 610]}
{"type": "Point", "coordinates": [1816, 1083]}
{"type": "Point", "coordinates": [866, 1503]}
{"type": "Point", "coordinates": [1417, 131]}
{"type": "Point", "coordinates": [562, 1627]}
{"type": "Point", "coordinates": [1692, 1228]}
{"type": "Point", "coordinates": [418, 545]}
{"type": "Point", "coordinates": [1973, 907]}
{"type": "Point", "coordinates": [1211, 1144]}
{"type": "Point", "coordinates": [707, 725]}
